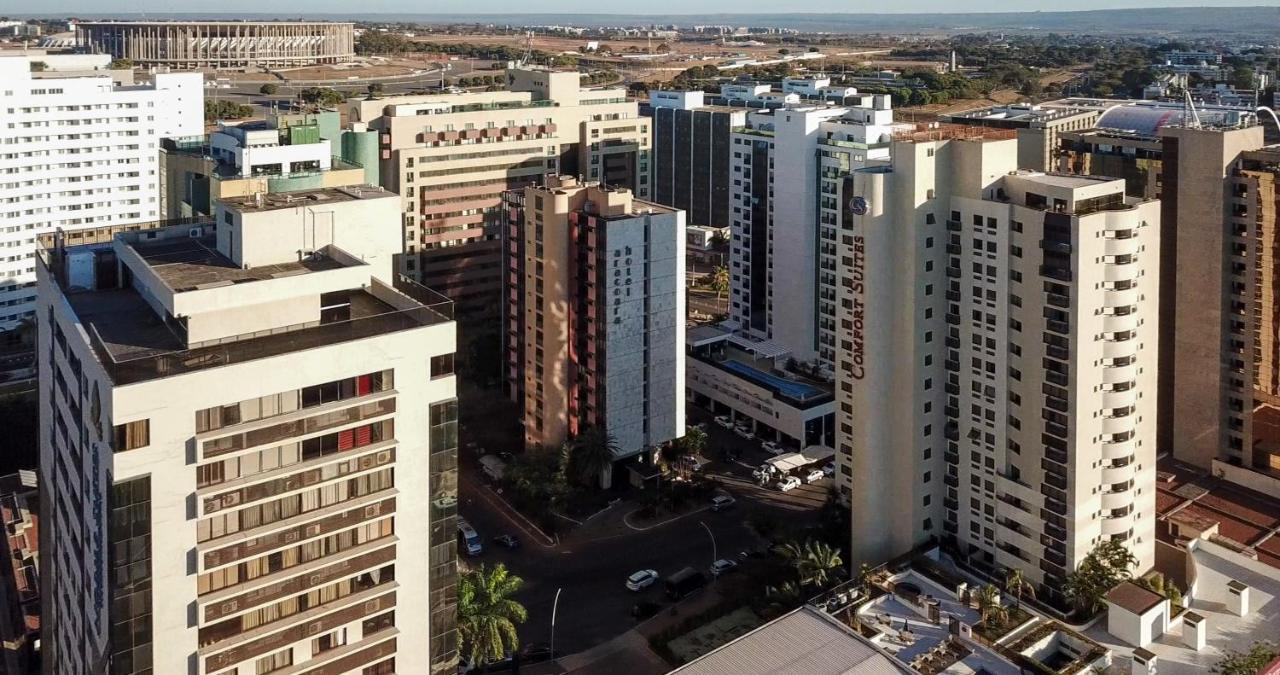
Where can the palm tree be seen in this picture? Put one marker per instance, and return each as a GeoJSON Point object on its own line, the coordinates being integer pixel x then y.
{"type": "Point", "coordinates": [592, 453]}
{"type": "Point", "coordinates": [989, 604]}
{"type": "Point", "coordinates": [814, 561]}
{"type": "Point", "coordinates": [720, 281]}
{"type": "Point", "coordinates": [1016, 585]}
{"type": "Point", "coordinates": [820, 562]}
{"type": "Point", "coordinates": [487, 616]}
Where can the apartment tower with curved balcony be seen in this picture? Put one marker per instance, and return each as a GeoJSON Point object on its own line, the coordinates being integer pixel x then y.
{"type": "Point", "coordinates": [997, 363]}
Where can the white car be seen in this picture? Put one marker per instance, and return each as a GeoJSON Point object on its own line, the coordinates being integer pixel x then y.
{"type": "Point", "coordinates": [829, 468]}
{"type": "Point", "coordinates": [724, 421]}
{"type": "Point", "coordinates": [722, 566]}
{"type": "Point", "coordinates": [814, 475]}
{"type": "Point", "coordinates": [641, 580]}
{"type": "Point", "coordinates": [789, 483]}
{"type": "Point", "coordinates": [744, 432]}
{"type": "Point", "coordinates": [771, 448]}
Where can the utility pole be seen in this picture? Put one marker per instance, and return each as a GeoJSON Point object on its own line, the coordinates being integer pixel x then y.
{"type": "Point", "coordinates": [554, 605]}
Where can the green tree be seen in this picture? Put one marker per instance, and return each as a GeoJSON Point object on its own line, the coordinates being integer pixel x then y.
{"type": "Point", "coordinates": [590, 454]}
{"type": "Point", "coordinates": [1017, 586]}
{"type": "Point", "coordinates": [1247, 663]}
{"type": "Point", "coordinates": [374, 89]}
{"type": "Point", "coordinates": [694, 441]}
{"type": "Point", "coordinates": [268, 89]}
{"type": "Point", "coordinates": [1101, 570]}
{"type": "Point", "coordinates": [989, 606]}
{"type": "Point", "coordinates": [225, 110]}
{"type": "Point", "coordinates": [322, 96]}
{"type": "Point", "coordinates": [121, 64]}
{"type": "Point", "coordinates": [38, 66]}
{"type": "Point", "coordinates": [815, 562]}
{"type": "Point", "coordinates": [720, 281]}
{"type": "Point", "coordinates": [487, 615]}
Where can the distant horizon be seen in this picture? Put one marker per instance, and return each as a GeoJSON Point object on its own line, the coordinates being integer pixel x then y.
{"type": "Point", "coordinates": [342, 8]}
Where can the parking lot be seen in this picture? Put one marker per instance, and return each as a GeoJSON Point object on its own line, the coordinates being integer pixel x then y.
{"type": "Point", "coordinates": [590, 564]}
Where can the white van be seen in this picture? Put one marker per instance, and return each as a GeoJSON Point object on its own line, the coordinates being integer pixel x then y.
{"type": "Point", "coordinates": [493, 467]}
{"type": "Point", "coordinates": [470, 538]}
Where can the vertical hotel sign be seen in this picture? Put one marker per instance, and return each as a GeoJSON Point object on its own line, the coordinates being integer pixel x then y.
{"type": "Point", "coordinates": [855, 208]}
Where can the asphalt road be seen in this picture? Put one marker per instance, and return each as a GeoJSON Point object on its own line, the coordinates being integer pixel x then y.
{"type": "Point", "coordinates": [705, 302]}
{"type": "Point", "coordinates": [591, 564]}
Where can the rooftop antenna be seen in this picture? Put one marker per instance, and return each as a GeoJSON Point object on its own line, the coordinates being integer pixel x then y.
{"type": "Point", "coordinates": [1190, 118]}
{"type": "Point", "coordinates": [527, 57]}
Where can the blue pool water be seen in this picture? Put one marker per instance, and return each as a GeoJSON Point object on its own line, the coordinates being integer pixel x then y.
{"type": "Point", "coordinates": [796, 390]}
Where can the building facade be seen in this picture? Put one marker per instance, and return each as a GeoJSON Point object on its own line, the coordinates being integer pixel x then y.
{"type": "Point", "coordinates": [451, 157]}
{"type": "Point", "coordinates": [998, 360]}
{"type": "Point", "coordinates": [690, 166]}
{"type": "Point", "coordinates": [595, 315]}
{"type": "Point", "coordinates": [20, 578]}
{"type": "Point", "coordinates": [219, 44]}
{"type": "Point", "coordinates": [1038, 127]}
{"type": "Point", "coordinates": [782, 250]}
{"type": "Point", "coordinates": [250, 432]}
{"type": "Point", "coordinates": [79, 152]}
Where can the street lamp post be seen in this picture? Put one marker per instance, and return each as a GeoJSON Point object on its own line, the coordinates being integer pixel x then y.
{"type": "Point", "coordinates": [714, 556]}
{"type": "Point", "coordinates": [554, 605]}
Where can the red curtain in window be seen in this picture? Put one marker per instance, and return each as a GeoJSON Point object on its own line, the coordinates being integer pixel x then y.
{"type": "Point", "coordinates": [364, 385]}
{"type": "Point", "coordinates": [346, 439]}
{"type": "Point", "coordinates": [364, 435]}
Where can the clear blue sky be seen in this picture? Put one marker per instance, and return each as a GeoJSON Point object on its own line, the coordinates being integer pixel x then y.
{"type": "Point", "coordinates": [499, 7]}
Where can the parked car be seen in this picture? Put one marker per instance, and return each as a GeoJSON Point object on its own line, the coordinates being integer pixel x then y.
{"type": "Point", "coordinates": [772, 448]}
{"type": "Point", "coordinates": [814, 475]}
{"type": "Point", "coordinates": [788, 483]}
{"type": "Point", "coordinates": [829, 468]}
{"type": "Point", "coordinates": [744, 432]}
{"type": "Point", "coordinates": [724, 421]}
{"type": "Point", "coordinates": [508, 541]}
{"type": "Point", "coordinates": [722, 566]}
{"type": "Point", "coordinates": [722, 502]}
{"type": "Point", "coordinates": [641, 580]}
{"type": "Point", "coordinates": [684, 582]}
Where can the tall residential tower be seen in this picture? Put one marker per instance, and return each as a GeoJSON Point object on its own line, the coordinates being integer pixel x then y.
{"type": "Point", "coordinates": [998, 353]}
{"type": "Point", "coordinates": [248, 442]}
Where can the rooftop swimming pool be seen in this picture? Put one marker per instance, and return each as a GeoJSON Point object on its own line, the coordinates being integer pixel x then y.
{"type": "Point", "coordinates": [796, 390]}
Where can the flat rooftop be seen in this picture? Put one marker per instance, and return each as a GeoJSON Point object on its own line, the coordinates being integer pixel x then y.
{"type": "Point", "coordinates": [1063, 180]}
{"type": "Point", "coordinates": [1248, 521]}
{"type": "Point", "coordinates": [190, 264]}
{"type": "Point", "coordinates": [135, 345]}
{"type": "Point", "coordinates": [290, 200]}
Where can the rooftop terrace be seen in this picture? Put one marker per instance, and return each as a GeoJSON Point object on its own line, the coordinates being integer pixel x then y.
{"type": "Point", "coordinates": [189, 264]}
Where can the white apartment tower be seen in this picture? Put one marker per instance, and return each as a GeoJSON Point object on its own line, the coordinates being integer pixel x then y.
{"type": "Point", "coordinates": [76, 153]}
{"type": "Point", "coordinates": [785, 164]}
{"type": "Point", "coordinates": [997, 361]}
{"type": "Point", "coordinates": [248, 439]}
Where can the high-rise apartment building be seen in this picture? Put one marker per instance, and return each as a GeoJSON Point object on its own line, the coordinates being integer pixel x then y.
{"type": "Point", "coordinates": [451, 156]}
{"type": "Point", "coordinates": [595, 314]}
{"type": "Point", "coordinates": [782, 249]}
{"type": "Point", "coordinates": [997, 361]}
{"type": "Point", "coordinates": [690, 157]}
{"type": "Point", "coordinates": [79, 152]}
{"type": "Point", "coordinates": [248, 437]}
{"type": "Point", "coordinates": [1218, 389]}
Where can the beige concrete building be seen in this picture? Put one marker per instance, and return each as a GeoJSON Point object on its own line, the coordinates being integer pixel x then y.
{"type": "Point", "coordinates": [219, 44]}
{"type": "Point", "coordinates": [451, 156]}
{"type": "Point", "coordinates": [595, 315]}
{"type": "Point", "coordinates": [996, 374]}
{"type": "Point", "coordinates": [249, 436]}
{"type": "Point", "coordinates": [1038, 127]}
